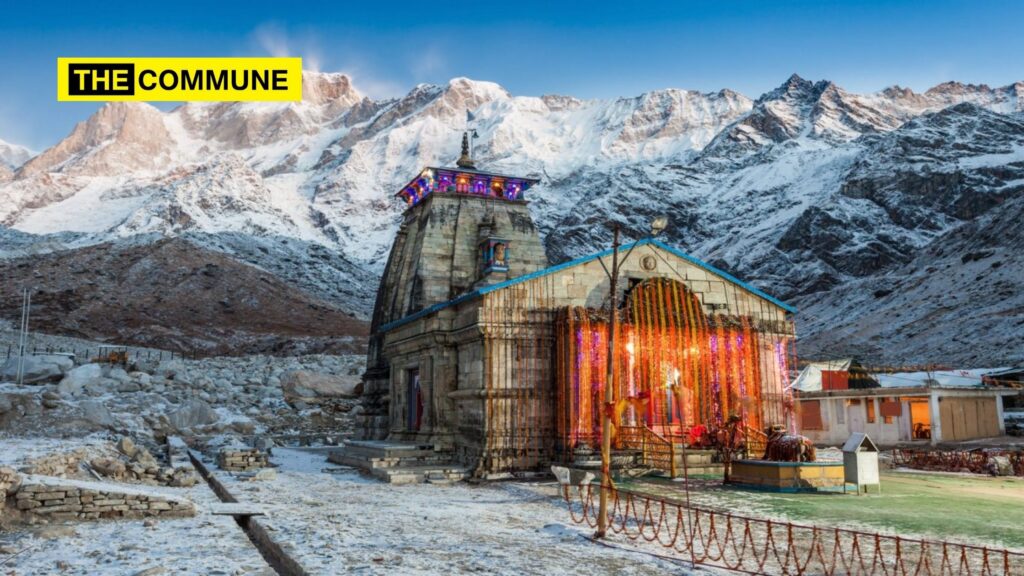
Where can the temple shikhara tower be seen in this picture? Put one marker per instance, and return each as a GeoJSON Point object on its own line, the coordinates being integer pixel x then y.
{"type": "Point", "coordinates": [489, 360]}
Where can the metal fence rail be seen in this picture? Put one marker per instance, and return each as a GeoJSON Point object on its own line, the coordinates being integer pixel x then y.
{"type": "Point", "coordinates": [761, 546]}
{"type": "Point", "coordinates": [86, 354]}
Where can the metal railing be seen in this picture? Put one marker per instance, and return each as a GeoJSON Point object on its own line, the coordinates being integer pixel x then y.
{"type": "Point", "coordinates": [761, 546]}
{"type": "Point", "coordinates": [656, 451]}
{"type": "Point", "coordinates": [755, 442]}
{"type": "Point", "coordinates": [87, 354]}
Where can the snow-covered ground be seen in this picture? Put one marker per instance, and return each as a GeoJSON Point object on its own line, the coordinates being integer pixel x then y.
{"type": "Point", "coordinates": [332, 520]}
{"type": "Point", "coordinates": [204, 544]}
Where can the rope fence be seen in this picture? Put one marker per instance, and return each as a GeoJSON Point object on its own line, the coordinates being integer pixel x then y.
{"type": "Point", "coordinates": [760, 546]}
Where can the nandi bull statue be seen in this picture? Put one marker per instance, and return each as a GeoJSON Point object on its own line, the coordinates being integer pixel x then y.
{"type": "Point", "coordinates": [783, 447]}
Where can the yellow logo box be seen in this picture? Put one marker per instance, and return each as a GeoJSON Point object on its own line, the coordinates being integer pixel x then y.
{"type": "Point", "coordinates": [179, 79]}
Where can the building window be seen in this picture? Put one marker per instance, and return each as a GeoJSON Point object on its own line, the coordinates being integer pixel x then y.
{"type": "Point", "coordinates": [890, 408]}
{"type": "Point", "coordinates": [840, 406]}
{"type": "Point", "coordinates": [869, 405]}
{"type": "Point", "coordinates": [810, 415]}
{"type": "Point", "coordinates": [494, 253]}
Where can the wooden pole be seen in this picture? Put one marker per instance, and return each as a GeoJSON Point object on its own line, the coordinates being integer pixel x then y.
{"type": "Point", "coordinates": [609, 396]}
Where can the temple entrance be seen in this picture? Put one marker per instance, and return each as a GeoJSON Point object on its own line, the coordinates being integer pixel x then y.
{"type": "Point", "coordinates": [414, 412]}
{"type": "Point", "coordinates": [680, 369]}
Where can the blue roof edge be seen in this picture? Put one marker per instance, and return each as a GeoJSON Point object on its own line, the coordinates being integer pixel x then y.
{"type": "Point", "coordinates": [557, 267]}
{"type": "Point", "coordinates": [724, 274]}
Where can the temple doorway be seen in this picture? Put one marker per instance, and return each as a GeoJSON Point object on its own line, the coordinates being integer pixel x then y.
{"type": "Point", "coordinates": [414, 414]}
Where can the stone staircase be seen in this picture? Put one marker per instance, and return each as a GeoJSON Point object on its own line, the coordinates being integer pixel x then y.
{"type": "Point", "coordinates": [399, 462]}
{"type": "Point", "coordinates": [698, 462]}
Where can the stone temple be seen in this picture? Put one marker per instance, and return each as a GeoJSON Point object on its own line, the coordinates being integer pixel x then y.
{"type": "Point", "coordinates": [486, 360]}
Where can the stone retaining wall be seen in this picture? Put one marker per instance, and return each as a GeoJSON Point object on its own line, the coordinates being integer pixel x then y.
{"type": "Point", "coordinates": [63, 500]}
{"type": "Point", "coordinates": [10, 480]}
{"type": "Point", "coordinates": [240, 460]}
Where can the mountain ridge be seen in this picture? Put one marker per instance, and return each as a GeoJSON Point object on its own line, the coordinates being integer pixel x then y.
{"type": "Point", "coordinates": [802, 191]}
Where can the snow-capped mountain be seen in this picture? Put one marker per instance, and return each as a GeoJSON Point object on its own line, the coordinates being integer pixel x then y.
{"type": "Point", "coordinates": [12, 156]}
{"type": "Point", "coordinates": [806, 191]}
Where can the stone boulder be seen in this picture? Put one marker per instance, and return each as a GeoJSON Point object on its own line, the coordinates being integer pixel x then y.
{"type": "Point", "coordinates": [192, 413]}
{"type": "Point", "coordinates": [169, 369]}
{"type": "Point", "coordinates": [78, 378]}
{"type": "Point", "coordinates": [37, 369]}
{"type": "Point", "coordinates": [117, 373]}
{"type": "Point", "coordinates": [312, 387]}
{"type": "Point", "coordinates": [14, 405]}
{"type": "Point", "coordinates": [9, 482]}
{"type": "Point", "coordinates": [126, 446]}
{"type": "Point", "coordinates": [1000, 466]}
{"type": "Point", "coordinates": [109, 467]}
{"type": "Point", "coordinates": [96, 413]}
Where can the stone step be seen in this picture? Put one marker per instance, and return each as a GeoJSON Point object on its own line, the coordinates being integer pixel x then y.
{"type": "Point", "coordinates": [421, 474]}
{"type": "Point", "coordinates": [695, 458]}
{"type": "Point", "coordinates": [346, 458]}
{"type": "Point", "coordinates": [389, 454]}
{"type": "Point", "coordinates": [235, 509]}
{"type": "Point", "coordinates": [381, 449]}
{"type": "Point", "coordinates": [702, 469]}
{"type": "Point", "coordinates": [399, 463]}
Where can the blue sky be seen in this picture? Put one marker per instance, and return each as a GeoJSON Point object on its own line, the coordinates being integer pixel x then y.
{"type": "Point", "coordinates": [587, 49]}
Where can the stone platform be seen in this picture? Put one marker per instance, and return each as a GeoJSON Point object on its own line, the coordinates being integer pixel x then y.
{"type": "Point", "coordinates": [697, 462]}
{"type": "Point", "coordinates": [399, 462]}
{"type": "Point", "coordinates": [788, 476]}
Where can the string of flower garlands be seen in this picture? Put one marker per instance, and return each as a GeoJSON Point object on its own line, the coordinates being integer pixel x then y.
{"type": "Point", "coordinates": [678, 367]}
{"type": "Point", "coordinates": [761, 546]}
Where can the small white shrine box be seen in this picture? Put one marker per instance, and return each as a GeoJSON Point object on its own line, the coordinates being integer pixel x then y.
{"type": "Point", "coordinates": [860, 462]}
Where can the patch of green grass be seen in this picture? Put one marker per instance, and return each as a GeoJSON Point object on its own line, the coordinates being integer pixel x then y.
{"type": "Point", "coordinates": [977, 509]}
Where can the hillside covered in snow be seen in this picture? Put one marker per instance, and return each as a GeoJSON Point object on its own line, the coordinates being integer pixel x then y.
{"type": "Point", "coordinates": [887, 218]}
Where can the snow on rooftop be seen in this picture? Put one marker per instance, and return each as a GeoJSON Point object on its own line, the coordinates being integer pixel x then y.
{"type": "Point", "coordinates": [809, 379]}
{"type": "Point", "coordinates": [937, 379]}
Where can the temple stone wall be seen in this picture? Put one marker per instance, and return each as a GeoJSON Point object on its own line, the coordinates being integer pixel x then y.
{"type": "Point", "coordinates": [434, 258]}
{"type": "Point", "coordinates": [485, 363]}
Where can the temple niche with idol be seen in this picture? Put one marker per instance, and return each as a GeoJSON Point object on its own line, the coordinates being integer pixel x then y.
{"type": "Point", "coordinates": [486, 357]}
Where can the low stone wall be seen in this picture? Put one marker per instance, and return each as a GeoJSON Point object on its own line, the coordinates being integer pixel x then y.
{"type": "Point", "coordinates": [58, 499]}
{"type": "Point", "coordinates": [788, 476]}
{"type": "Point", "coordinates": [10, 480]}
{"type": "Point", "coordinates": [241, 460]}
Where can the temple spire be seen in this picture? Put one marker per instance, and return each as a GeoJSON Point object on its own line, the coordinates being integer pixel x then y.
{"type": "Point", "coordinates": [465, 161]}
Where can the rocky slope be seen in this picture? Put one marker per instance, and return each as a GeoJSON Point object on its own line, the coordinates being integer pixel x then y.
{"type": "Point", "coordinates": [174, 295]}
{"type": "Point", "coordinates": [809, 191]}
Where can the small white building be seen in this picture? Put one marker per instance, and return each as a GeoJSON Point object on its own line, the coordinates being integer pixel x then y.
{"type": "Point", "coordinates": [903, 408]}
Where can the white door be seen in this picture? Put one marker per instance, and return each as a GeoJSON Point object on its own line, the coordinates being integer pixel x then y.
{"type": "Point", "coordinates": [856, 417]}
